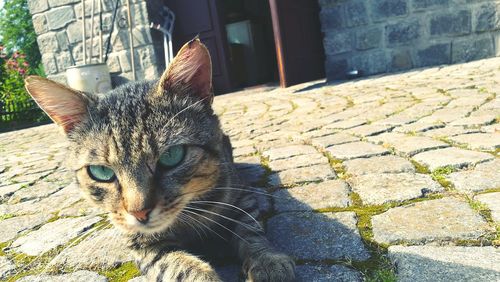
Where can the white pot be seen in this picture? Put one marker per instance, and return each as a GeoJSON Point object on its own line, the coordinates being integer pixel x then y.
{"type": "Point", "coordinates": [93, 78]}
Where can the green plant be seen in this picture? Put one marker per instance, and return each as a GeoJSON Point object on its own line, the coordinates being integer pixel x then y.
{"type": "Point", "coordinates": [17, 31]}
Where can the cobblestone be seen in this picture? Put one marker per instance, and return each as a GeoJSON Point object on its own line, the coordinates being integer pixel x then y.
{"type": "Point", "coordinates": [479, 141]}
{"type": "Point", "coordinates": [370, 132]}
{"type": "Point", "coordinates": [356, 150]}
{"type": "Point", "coordinates": [407, 145]}
{"type": "Point", "coordinates": [378, 189]}
{"type": "Point", "coordinates": [431, 263]}
{"type": "Point", "coordinates": [6, 267]}
{"type": "Point", "coordinates": [484, 176]}
{"type": "Point", "coordinates": [492, 202]}
{"type": "Point", "coordinates": [328, 194]}
{"type": "Point", "coordinates": [436, 220]}
{"type": "Point", "coordinates": [302, 175]}
{"type": "Point", "coordinates": [451, 157]}
{"type": "Point", "coordinates": [78, 276]}
{"type": "Point", "coordinates": [382, 164]}
{"type": "Point", "coordinates": [316, 236]}
{"type": "Point", "coordinates": [52, 235]}
{"type": "Point", "coordinates": [327, 273]}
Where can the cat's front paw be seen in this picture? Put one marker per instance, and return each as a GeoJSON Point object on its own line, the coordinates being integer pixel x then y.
{"type": "Point", "coordinates": [270, 266]}
{"type": "Point", "coordinates": [181, 266]}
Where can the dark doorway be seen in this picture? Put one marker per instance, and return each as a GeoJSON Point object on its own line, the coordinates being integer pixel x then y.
{"type": "Point", "coordinates": [203, 18]}
{"type": "Point", "coordinates": [299, 41]}
{"type": "Point", "coordinates": [250, 39]}
{"type": "Point", "coordinates": [252, 42]}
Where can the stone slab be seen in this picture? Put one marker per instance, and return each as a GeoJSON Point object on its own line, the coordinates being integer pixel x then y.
{"type": "Point", "coordinates": [298, 162]}
{"type": "Point", "coordinates": [7, 267]}
{"type": "Point", "coordinates": [13, 227]}
{"type": "Point", "coordinates": [327, 194]}
{"type": "Point", "coordinates": [484, 176]}
{"type": "Point", "coordinates": [492, 201]}
{"type": "Point", "coordinates": [323, 273]}
{"type": "Point", "coordinates": [59, 200]}
{"type": "Point", "coordinates": [102, 249]}
{"type": "Point", "coordinates": [52, 235]}
{"type": "Point", "coordinates": [382, 164]}
{"type": "Point", "coordinates": [453, 157]}
{"type": "Point", "coordinates": [302, 175]}
{"type": "Point", "coordinates": [369, 130]}
{"type": "Point", "coordinates": [449, 263]}
{"type": "Point", "coordinates": [435, 220]}
{"type": "Point", "coordinates": [408, 145]}
{"type": "Point", "coordinates": [7, 190]}
{"type": "Point", "coordinates": [346, 124]}
{"type": "Point", "coordinates": [379, 189]}
{"type": "Point", "coordinates": [288, 151]}
{"type": "Point", "coordinates": [79, 276]}
{"type": "Point", "coordinates": [479, 141]}
{"type": "Point", "coordinates": [40, 189]}
{"type": "Point", "coordinates": [356, 150]}
{"type": "Point", "coordinates": [317, 236]}
{"type": "Point", "coordinates": [333, 139]}
{"type": "Point", "coordinates": [449, 131]}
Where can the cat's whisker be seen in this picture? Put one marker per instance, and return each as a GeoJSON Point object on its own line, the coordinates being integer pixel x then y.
{"type": "Point", "coordinates": [249, 227]}
{"type": "Point", "coordinates": [249, 190]}
{"type": "Point", "coordinates": [185, 222]}
{"type": "Point", "coordinates": [211, 220]}
{"type": "Point", "coordinates": [227, 205]}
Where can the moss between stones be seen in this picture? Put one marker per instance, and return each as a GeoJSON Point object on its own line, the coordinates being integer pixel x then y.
{"type": "Point", "coordinates": [3, 246]}
{"type": "Point", "coordinates": [32, 265]}
{"type": "Point", "coordinates": [440, 176]}
{"type": "Point", "coordinates": [419, 168]}
{"type": "Point", "coordinates": [336, 165]}
{"type": "Point", "coordinates": [350, 102]}
{"type": "Point", "coordinates": [6, 216]}
{"type": "Point", "coordinates": [123, 273]}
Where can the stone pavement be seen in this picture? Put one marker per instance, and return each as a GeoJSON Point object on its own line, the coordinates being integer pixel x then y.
{"type": "Point", "coordinates": [386, 178]}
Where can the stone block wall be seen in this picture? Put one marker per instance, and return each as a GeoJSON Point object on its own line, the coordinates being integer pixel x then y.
{"type": "Point", "coordinates": [377, 36]}
{"type": "Point", "coordinates": [58, 25]}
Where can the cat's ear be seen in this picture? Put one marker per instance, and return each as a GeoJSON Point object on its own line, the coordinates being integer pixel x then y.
{"type": "Point", "coordinates": [191, 69]}
{"type": "Point", "coordinates": [65, 106]}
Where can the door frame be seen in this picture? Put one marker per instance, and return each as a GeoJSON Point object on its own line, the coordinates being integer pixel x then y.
{"type": "Point", "coordinates": [280, 45]}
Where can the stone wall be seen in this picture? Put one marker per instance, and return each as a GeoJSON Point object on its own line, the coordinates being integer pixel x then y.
{"type": "Point", "coordinates": [377, 36]}
{"type": "Point", "coordinates": [58, 26]}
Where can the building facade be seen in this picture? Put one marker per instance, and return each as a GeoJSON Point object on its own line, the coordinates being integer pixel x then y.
{"type": "Point", "coordinates": [312, 38]}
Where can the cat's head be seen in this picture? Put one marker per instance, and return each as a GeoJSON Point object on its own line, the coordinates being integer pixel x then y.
{"type": "Point", "coordinates": [143, 150]}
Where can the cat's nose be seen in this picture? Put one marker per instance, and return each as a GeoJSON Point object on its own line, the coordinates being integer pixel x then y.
{"type": "Point", "coordinates": [142, 216]}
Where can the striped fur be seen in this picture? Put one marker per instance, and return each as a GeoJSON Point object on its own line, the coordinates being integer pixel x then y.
{"type": "Point", "coordinates": [200, 209]}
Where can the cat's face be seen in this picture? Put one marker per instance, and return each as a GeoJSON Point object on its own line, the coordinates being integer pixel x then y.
{"type": "Point", "coordinates": [143, 151]}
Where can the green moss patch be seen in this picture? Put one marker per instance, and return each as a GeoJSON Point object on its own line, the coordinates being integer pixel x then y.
{"type": "Point", "coordinates": [440, 176]}
{"type": "Point", "coordinates": [123, 273]}
{"type": "Point", "coordinates": [6, 216]}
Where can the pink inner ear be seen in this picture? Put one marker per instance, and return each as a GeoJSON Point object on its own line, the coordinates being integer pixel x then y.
{"type": "Point", "coordinates": [63, 105]}
{"type": "Point", "coordinates": [191, 68]}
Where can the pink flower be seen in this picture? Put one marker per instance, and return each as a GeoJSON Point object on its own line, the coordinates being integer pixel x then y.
{"type": "Point", "coordinates": [21, 71]}
{"type": "Point", "coordinates": [26, 64]}
{"type": "Point", "coordinates": [15, 55]}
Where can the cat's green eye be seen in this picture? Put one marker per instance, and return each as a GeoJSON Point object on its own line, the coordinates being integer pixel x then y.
{"type": "Point", "coordinates": [101, 173]}
{"type": "Point", "coordinates": [173, 156]}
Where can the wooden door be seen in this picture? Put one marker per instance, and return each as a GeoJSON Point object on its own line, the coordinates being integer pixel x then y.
{"type": "Point", "coordinates": [298, 39]}
{"type": "Point", "coordinates": [202, 18]}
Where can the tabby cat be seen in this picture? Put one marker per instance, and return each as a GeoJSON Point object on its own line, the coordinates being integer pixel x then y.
{"type": "Point", "coordinates": [153, 155]}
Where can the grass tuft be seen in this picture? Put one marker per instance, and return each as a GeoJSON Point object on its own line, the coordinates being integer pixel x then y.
{"type": "Point", "coordinates": [123, 273]}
